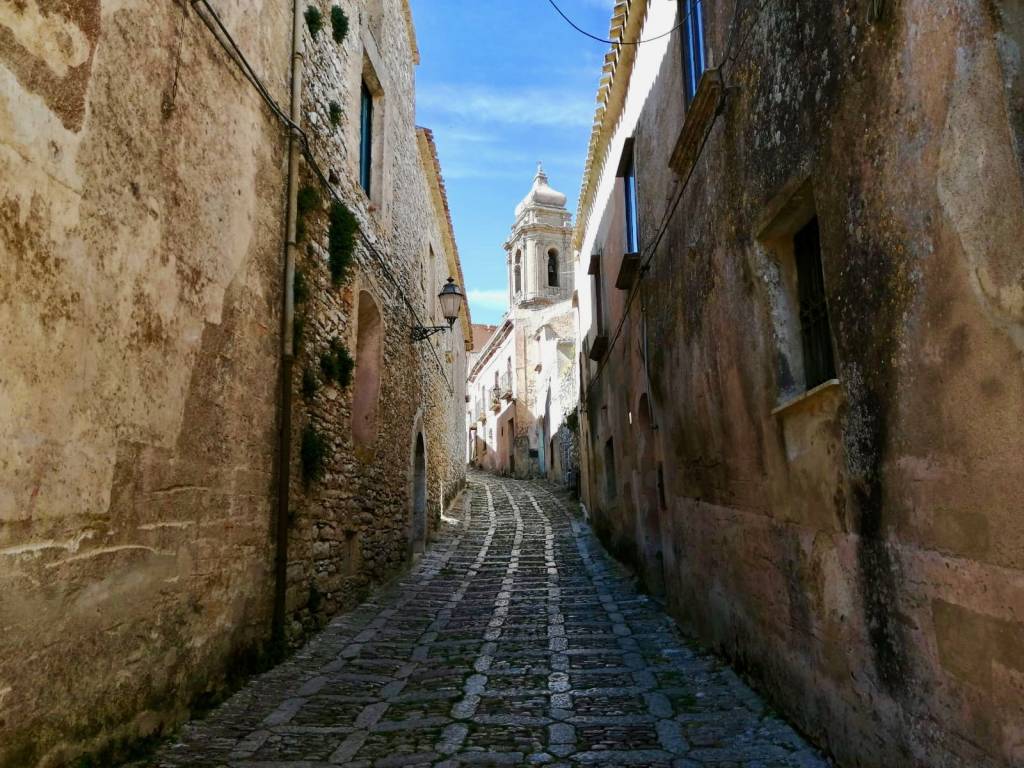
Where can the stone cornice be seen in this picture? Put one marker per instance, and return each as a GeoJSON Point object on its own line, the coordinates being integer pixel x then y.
{"type": "Point", "coordinates": [410, 30]}
{"type": "Point", "coordinates": [493, 344]}
{"type": "Point", "coordinates": [439, 195]}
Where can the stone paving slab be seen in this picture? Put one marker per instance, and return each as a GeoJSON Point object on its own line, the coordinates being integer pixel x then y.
{"type": "Point", "coordinates": [516, 640]}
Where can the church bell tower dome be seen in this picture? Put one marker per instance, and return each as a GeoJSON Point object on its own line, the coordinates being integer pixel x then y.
{"type": "Point", "coordinates": [541, 194]}
{"type": "Point", "coordinates": [539, 247]}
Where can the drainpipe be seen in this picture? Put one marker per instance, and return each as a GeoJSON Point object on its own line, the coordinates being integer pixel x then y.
{"type": "Point", "coordinates": [288, 343]}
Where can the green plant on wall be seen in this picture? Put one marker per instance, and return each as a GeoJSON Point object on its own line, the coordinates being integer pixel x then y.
{"type": "Point", "coordinates": [572, 421]}
{"type": "Point", "coordinates": [309, 383]}
{"type": "Point", "coordinates": [334, 111]}
{"type": "Point", "coordinates": [307, 201]}
{"type": "Point", "coordinates": [300, 288]}
{"type": "Point", "coordinates": [337, 364]}
{"type": "Point", "coordinates": [313, 454]}
{"type": "Point", "coordinates": [341, 241]}
{"type": "Point", "coordinates": [339, 24]}
{"type": "Point", "coordinates": [314, 20]}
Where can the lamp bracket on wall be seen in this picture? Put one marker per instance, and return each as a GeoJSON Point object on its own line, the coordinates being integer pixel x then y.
{"type": "Point", "coordinates": [421, 332]}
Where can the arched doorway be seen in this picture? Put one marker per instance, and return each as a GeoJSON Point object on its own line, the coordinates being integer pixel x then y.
{"type": "Point", "coordinates": [366, 389]}
{"type": "Point", "coordinates": [418, 534]}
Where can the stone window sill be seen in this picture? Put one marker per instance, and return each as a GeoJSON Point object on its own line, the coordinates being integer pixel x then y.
{"type": "Point", "coordinates": [699, 115]}
{"type": "Point", "coordinates": [806, 398]}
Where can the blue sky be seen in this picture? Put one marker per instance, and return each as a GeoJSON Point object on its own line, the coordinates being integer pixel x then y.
{"type": "Point", "coordinates": [503, 84]}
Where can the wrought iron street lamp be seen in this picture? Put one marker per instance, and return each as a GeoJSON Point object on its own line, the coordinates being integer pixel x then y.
{"type": "Point", "coordinates": [451, 299]}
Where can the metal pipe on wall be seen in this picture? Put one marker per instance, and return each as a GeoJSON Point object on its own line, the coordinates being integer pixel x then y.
{"type": "Point", "coordinates": [288, 338]}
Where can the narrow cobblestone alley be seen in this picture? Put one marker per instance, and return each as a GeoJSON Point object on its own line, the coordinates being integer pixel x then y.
{"type": "Point", "coordinates": [516, 640]}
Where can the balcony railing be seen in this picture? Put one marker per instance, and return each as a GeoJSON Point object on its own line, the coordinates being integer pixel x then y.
{"type": "Point", "coordinates": [561, 292]}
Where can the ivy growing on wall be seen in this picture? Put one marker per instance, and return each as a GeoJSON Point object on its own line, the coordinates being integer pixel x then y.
{"type": "Point", "coordinates": [339, 24]}
{"type": "Point", "coordinates": [337, 364]}
{"type": "Point", "coordinates": [313, 454]}
{"type": "Point", "coordinates": [300, 288]}
{"type": "Point", "coordinates": [314, 20]}
{"type": "Point", "coordinates": [334, 112]}
{"type": "Point", "coordinates": [308, 200]}
{"type": "Point", "coordinates": [341, 240]}
{"type": "Point", "coordinates": [309, 383]}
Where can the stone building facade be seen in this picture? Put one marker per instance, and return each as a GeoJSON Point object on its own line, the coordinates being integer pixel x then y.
{"type": "Point", "coordinates": [801, 357]}
{"type": "Point", "coordinates": [143, 189]}
{"type": "Point", "coordinates": [520, 384]}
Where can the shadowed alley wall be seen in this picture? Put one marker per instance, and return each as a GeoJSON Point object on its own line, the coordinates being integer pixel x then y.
{"type": "Point", "coordinates": [142, 202]}
{"type": "Point", "coordinates": [858, 548]}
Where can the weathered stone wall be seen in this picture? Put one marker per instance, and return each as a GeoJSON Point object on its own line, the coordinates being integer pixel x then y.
{"type": "Point", "coordinates": [859, 551]}
{"type": "Point", "coordinates": [141, 205]}
{"type": "Point", "coordinates": [142, 191]}
{"type": "Point", "coordinates": [354, 527]}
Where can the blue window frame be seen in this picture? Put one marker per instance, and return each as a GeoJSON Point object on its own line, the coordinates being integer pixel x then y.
{"type": "Point", "coordinates": [692, 27]}
{"type": "Point", "coordinates": [632, 217]}
{"type": "Point", "coordinates": [366, 139]}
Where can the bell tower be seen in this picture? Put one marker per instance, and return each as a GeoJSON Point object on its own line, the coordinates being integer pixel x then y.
{"type": "Point", "coordinates": [539, 247]}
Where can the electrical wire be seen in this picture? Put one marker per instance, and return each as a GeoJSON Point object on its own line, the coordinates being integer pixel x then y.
{"type": "Point", "coordinates": [216, 26]}
{"type": "Point", "coordinates": [605, 40]}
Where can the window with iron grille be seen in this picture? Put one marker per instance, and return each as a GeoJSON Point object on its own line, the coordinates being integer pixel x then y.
{"type": "Point", "coordinates": [691, 26]}
{"type": "Point", "coordinates": [366, 139]}
{"type": "Point", "coordinates": [816, 336]}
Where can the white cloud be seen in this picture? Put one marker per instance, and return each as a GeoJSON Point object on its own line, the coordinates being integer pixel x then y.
{"type": "Point", "coordinates": [521, 107]}
{"type": "Point", "coordinates": [483, 298]}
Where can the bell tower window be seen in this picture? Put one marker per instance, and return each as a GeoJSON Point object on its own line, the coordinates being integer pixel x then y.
{"type": "Point", "coordinates": [553, 268]}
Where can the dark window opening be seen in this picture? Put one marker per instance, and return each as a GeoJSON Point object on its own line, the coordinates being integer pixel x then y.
{"type": "Point", "coordinates": [366, 139]}
{"type": "Point", "coordinates": [632, 215]}
{"type": "Point", "coordinates": [816, 336]}
{"type": "Point", "coordinates": [518, 272]}
{"type": "Point", "coordinates": [598, 299]}
{"type": "Point", "coordinates": [553, 268]}
{"type": "Point", "coordinates": [692, 29]}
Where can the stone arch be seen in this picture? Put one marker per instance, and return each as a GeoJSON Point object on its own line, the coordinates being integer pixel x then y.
{"type": "Point", "coordinates": [369, 355]}
{"type": "Point", "coordinates": [552, 267]}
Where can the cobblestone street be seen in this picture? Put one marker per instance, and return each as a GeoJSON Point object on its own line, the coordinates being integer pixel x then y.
{"type": "Point", "coordinates": [515, 641]}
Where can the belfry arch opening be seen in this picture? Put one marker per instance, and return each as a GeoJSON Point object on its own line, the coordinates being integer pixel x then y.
{"type": "Point", "coordinates": [553, 267]}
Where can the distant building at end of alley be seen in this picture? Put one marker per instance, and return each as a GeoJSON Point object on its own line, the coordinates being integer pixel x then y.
{"type": "Point", "coordinates": [521, 390]}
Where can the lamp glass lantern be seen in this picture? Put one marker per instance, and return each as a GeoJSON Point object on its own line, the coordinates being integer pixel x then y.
{"type": "Point", "coordinates": [451, 299]}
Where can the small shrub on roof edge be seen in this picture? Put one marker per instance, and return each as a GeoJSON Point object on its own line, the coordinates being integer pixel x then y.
{"type": "Point", "coordinates": [314, 20]}
{"type": "Point", "coordinates": [339, 24]}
